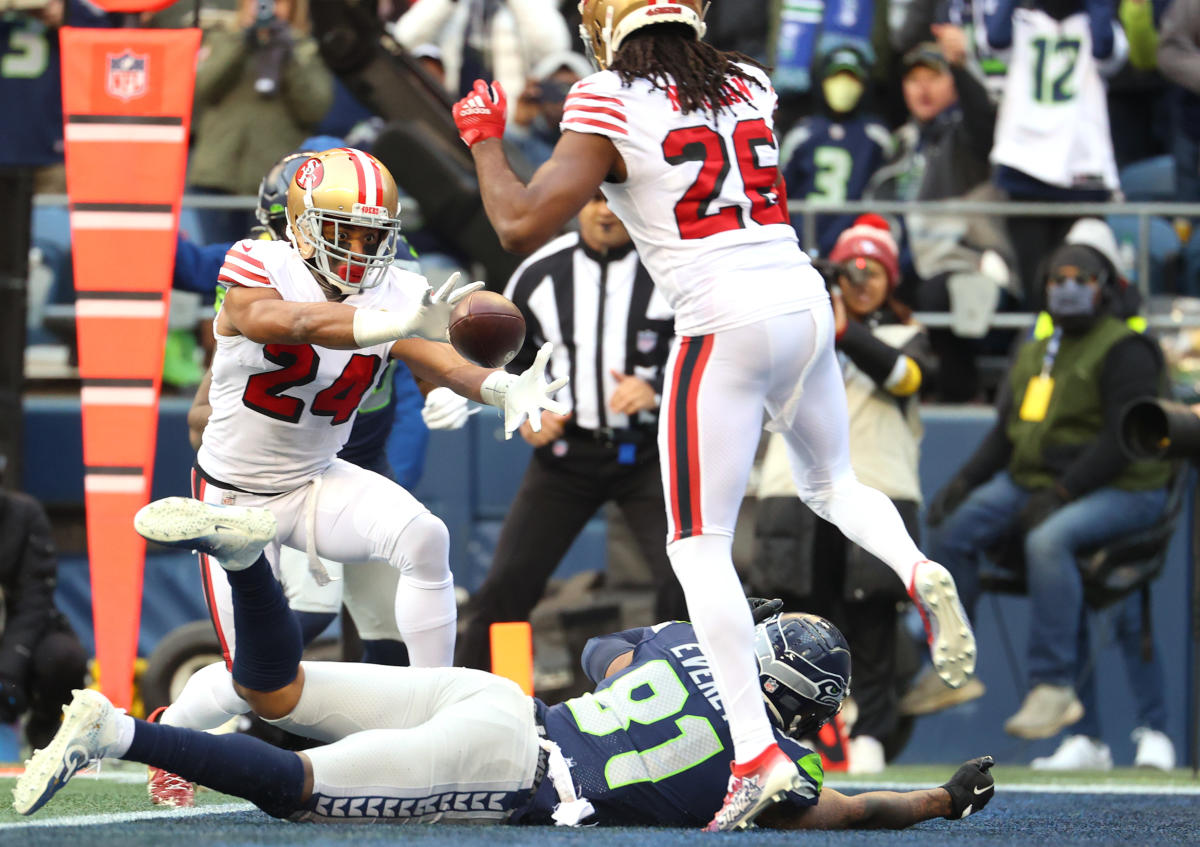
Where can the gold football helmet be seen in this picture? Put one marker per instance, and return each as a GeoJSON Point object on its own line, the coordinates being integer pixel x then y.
{"type": "Point", "coordinates": [607, 23]}
{"type": "Point", "coordinates": [338, 188]}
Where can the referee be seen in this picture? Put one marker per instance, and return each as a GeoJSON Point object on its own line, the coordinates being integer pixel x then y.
{"type": "Point", "coordinates": [589, 294]}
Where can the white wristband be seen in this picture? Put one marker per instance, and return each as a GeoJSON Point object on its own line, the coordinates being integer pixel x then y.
{"type": "Point", "coordinates": [375, 326]}
{"type": "Point", "coordinates": [494, 389]}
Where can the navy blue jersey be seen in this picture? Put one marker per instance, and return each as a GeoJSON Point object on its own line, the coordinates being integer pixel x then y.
{"type": "Point", "coordinates": [832, 161]}
{"type": "Point", "coordinates": [651, 746]}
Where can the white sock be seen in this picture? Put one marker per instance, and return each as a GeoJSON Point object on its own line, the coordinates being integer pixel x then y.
{"type": "Point", "coordinates": [427, 615]}
{"type": "Point", "coordinates": [207, 701]}
{"type": "Point", "coordinates": [869, 519]}
{"type": "Point", "coordinates": [120, 747]}
{"type": "Point", "coordinates": [719, 614]}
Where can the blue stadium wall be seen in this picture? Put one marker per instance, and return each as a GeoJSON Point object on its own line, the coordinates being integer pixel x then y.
{"type": "Point", "coordinates": [470, 478]}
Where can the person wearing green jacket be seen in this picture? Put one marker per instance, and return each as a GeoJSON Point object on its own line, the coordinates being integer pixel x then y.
{"type": "Point", "coordinates": [1052, 473]}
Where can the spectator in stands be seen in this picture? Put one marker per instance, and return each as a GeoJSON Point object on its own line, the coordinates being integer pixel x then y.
{"type": "Point", "coordinates": [260, 90]}
{"type": "Point", "coordinates": [1053, 141]}
{"type": "Point", "coordinates": [41, 659]}
{"type": "Point", "coordinates": [959, 29]}
{"type": "Point", "coordinates": [885, 359]}
{"type": "Point", "coordinates": [830, 156]}
{"type": "Point", "coordinates": [486, 39]}
{"type": "Point", "coordinates": [589, 293]}
{"type": "Point", "coordinates": [806, 31]}
{"type": "Point", "coordinates": [534, 127]}
{"type": "Point", "coordinates": [1179, 61]}
{"type": "Point", "coordinates": [1051, 476]}
{"type": "Point", "coordinates": [958, 263]}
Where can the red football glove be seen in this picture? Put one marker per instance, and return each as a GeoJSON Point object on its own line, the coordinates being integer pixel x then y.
{"type": "Point", "coordinates": [481, 114]}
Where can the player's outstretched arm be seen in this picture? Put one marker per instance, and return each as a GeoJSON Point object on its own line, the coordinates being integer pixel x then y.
{"type": "Point", "coordinates": [517, 396]}
{"type": "Point", "coordinates": [261, 315]}
{"type": "Point", "coordinates": [968, 791]}
{"type": "Point", "coordinates": [527, 216]}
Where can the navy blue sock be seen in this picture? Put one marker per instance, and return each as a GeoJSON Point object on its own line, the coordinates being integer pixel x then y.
{"type": "Point", "coordinates": [313, 624]}
{"type": "Point", "coordinates": [385, 651]}
{"type": "Point", "coordinates": [245, 767]}
{"type": "Point", "coordinates": [269, 643]}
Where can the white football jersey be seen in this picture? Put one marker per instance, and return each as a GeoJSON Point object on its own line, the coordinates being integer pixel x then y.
{"type": "Point", "coordinates": [281, 412]}
{"type": "Point", "coordinates": [703, 200]}
{"type": "Point", "coordinates": [1053, 120]}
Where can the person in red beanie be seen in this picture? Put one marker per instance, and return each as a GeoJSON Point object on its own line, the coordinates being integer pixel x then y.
{"type": "Point", "coordinates": [885, 360]}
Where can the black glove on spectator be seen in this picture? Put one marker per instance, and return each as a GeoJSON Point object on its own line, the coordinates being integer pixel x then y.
{"type": "Point", "coordinates": [12, 701]}
{"type": "Point", "coordinates": [761, 609]}
{"type": "Point", "coordinates": [970, 788]}
{"type": "Point", "coordinates": [947, 500]}
{"type": "Point", "coordinates": [1041, 504]}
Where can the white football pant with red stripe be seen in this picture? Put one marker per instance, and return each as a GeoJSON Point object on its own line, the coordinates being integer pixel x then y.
{"type": "Point", "coordinates": [717, 389]}
{"type": "Point", "coordinates": [360, 516]}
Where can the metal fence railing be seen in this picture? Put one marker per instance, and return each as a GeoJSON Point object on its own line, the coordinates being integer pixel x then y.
{"type": "Point", "coordinates": [810, 210]}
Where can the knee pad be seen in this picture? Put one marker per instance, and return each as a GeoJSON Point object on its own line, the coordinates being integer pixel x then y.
{"type": "Point", "coordinates": [422, 551]}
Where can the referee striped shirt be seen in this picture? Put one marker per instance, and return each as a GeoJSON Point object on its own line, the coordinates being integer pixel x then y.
{"type": "Point", "coordinates": [603, 314]}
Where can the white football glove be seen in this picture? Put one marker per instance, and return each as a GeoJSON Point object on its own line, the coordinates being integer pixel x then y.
{"type": "Point", "coordinates": [524, 396]}
{"type": "Point", "coordinates": [445, 410]}
{"type": "Point", "coordinates": [429, 319]}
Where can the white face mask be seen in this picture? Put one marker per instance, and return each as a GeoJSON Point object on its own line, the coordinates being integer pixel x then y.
{"type": "Point", "coordinates": [842, 92]}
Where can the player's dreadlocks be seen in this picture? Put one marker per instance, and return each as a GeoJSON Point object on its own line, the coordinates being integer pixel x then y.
{"type": "Point", "coordinates": [670, 54]}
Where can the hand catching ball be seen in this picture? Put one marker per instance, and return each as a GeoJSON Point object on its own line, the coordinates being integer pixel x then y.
{"type": "Point", "coordinates": [487, 328]}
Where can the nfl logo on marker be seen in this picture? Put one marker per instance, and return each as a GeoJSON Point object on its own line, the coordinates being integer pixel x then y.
{"type": "Point", "coordinates": [127, 77]}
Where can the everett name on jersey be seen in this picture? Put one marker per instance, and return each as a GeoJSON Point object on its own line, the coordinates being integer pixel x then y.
{"type": "Point", "coordinates": [281, 412]}
{"type": "Point", "coordinates": [703, 200]}
{"type": "Point", "coordinates": [651, 745]}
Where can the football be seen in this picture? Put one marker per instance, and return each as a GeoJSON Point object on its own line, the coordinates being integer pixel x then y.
{"type": "Point", "coordinates": [487, 328]}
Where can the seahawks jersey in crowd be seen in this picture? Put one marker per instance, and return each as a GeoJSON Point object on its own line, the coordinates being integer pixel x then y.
{"type": "Point", "coordinates": [831, 161]}
{"type": "Point", "coordinates": [651, 746]}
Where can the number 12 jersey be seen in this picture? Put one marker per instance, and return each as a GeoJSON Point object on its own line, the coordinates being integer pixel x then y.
{"type": "Point", "coordinates": [703, 200]}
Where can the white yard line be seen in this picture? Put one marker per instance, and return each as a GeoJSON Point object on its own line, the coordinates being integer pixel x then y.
{"type": "Point", "coordinates": [127, 817]}
{"type": "Point", "coordinates": [1033, 788]}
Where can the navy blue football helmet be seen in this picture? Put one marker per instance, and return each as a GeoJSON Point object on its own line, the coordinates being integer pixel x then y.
{"type": "Point", "coordinates": [803, 669]}
{"type": "Point", "coordinates": [273, 193]}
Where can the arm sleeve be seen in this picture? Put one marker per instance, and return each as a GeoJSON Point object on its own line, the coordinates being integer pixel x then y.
{"type": "Point", "coordinates": [978, 111]}
{"type": "Point", "coordinates": [218, 72]}
{"type": "Point", "coordinates": [1130, 370]}
{"type": "Point", "coordinates": [872, 356]}
{"type": "Point", "coordinates": [1179, 44]}
{"type": "Point", "coordinates": [1000, 25]}
{"type": "Point", "coordinates": [422, 23]}
{"type": "Point", "coordinates": [30, 598]}
{"type": "Point", "coordinates": [197, 267]}
{"type": "Point", "coordinates": [600, 651]}
{"type": "Point", "coordinates": [1138, 20]}
{"type": "Point", "coordinates": [541, 27]}
{"type": "Point", "coordinates": [307, 84]}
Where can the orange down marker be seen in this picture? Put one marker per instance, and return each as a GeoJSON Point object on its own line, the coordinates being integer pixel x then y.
{"type": "Point", "coordinates": [512, 653]}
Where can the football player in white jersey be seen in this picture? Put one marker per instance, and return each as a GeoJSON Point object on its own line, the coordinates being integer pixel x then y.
{"type": "Point", "coordinates": [678, 136]}
{"type": "Point", "coordinates": [303, 334]}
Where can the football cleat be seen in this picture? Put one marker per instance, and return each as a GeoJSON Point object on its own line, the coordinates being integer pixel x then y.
{"type": "Point", "coordinates": [88, 731]}
{"type": "Point", "coordinates": [166, 788]}
{"type": "Point", "coordinates": [951, 641]}
{"type": "Point", "coordinates": [753, 787]}
{"type": "Point", "coordinates": [169, 789]}
{"type": "Point", "coordinates": [234, 535]}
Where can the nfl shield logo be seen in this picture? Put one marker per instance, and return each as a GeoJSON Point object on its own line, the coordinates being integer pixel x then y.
{"type": "Point", "coordinates": [647, 340]}
{"type": "Point", "coordinates": [127, 75]}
